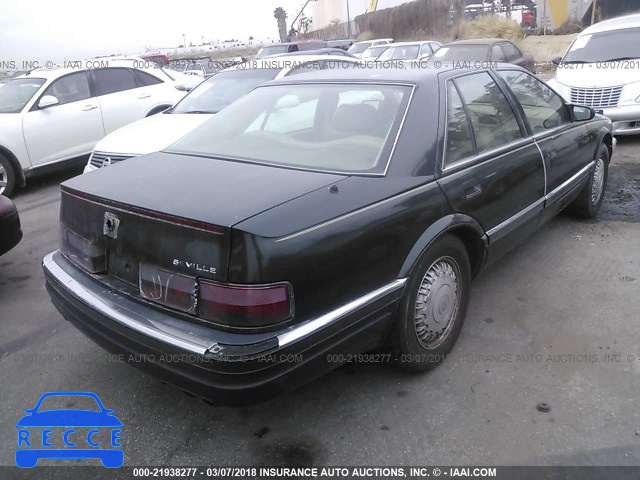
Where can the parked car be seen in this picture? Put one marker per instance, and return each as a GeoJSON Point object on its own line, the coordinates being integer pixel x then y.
{"type": "Point", "coordinates": [158, 58]}
{"type": "Point", "coordinates": [601, 69]}
{"type": "Point", "coordinates": [203, 68]}
{"type": "Point", "coordinates": [278, 48]}
{"type": "Point", "coordinates": [321, 51]}
{"type": "Point", "coordinates": [485, 50]}
{"type": "Point", "coordinates": [54, 117]}
{"type": "Point", "coordinates": [10, 230]}
{"type": "Point", "coordinates": [372, 53]}
{"type": "Point", "coordinates": [344, 43]}
{"type": "Point", "coordinates": [155, 133]}
{"type": "Point", "coordinates": [409, 51]}
{"type": "Point", "coordinates": [357, 48]}
{"type": "Point", "coordinates": [316, 216]}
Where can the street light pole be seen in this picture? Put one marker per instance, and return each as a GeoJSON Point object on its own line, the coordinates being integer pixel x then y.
{"type": "Point", "coordinates": [184, 40]}
{"type": "Point", "coordinates": [593, 11]}
{"type": "Point", "coordinates": [348, 21]}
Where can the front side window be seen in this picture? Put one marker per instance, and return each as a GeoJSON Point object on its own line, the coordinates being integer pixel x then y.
{"type": "Point", "coordinates": [145, 79]}
{"type": "Point", "coordinates": [543, 108]}
{"type": "Point", "coordinates": [15, 94]}
{"type": "Point", "coordinates": [492, 119]}
{"type": "Point", "coordinates": [70, 88]}
{"type": "Point", "coordinates": [462, 53]}
{"type": "Point", "coordinates": [324, 127]}
{"type": "Point", "coordinates": [112, 80]}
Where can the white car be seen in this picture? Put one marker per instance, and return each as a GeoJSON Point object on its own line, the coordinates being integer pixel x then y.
{"type": "Point", "coordinates": [601, 70]}
{"type": "Point", "coordinates": [357, 48]}
{"type": "Point", "coordinates": [158, 132]}
{"type": "Point", "coordinates": [409, 51]}
{"type": "Point", "coordinates": [52, 117]}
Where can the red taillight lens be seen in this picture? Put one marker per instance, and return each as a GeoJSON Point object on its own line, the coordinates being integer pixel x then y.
{"type": "Point", "coordinates": [82, 252]}
{"type": "Point", "coordinates": [250, 306]}
{"type": "Point", "coordinates": [168, 288]}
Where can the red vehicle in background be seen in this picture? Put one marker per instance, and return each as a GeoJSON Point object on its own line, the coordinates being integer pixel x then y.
{"type": "Point", "coordinates": [158, 58]}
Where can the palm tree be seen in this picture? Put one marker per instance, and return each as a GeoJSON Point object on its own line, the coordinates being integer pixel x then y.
{"type": "Point", "coordinates": [281, 16]}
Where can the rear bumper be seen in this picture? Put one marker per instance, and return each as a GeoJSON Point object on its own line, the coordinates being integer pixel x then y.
{"type": "Point", "coordinates": [10, 230]}
{"type": "Point", "coordinates": [225, 368]}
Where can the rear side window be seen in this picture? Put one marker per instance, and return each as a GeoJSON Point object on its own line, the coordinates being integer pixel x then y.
{"type": "Point", "coordinates": [497, 54]}
{"type": "Point", "coordinates": [293, 48]}
{"type": "Point", "coordinates": [459, 140]}
{"type": "Point", "coordinates": [70, 88]}
{"type": "Point", "coordinates": [144, 79]}
{"type": "Point", "coordinates": [492, 119]}
{"type": "Point", "coordinates": [112, 80]}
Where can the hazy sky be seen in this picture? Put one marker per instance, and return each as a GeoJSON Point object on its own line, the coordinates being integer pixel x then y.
{"type": "Point", "coordinates": [71, 29]}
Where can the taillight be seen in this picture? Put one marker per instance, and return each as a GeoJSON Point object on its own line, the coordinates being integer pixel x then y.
{"type": "Point", "coordinates": [241, 306]}
{"type": "Point", "coordinates": [82, 252]}
{"type": "Point", "coordinates": [244, 306]}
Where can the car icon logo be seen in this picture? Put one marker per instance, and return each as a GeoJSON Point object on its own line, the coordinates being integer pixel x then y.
{"type": "Point", "coordinates": [106, 162]}
{"type": "Point", "coordinates": [69, 433]}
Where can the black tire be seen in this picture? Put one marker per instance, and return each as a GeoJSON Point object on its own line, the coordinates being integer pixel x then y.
{"type": "Point", "coordinates": [7, 176]}
{"type": "Point", "coordinates": [589, 200]}
{"type": "Point", "coordinates": [416, 347]}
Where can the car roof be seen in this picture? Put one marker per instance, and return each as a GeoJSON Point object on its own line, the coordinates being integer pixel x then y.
{"type": "Point", "coordinates": [319, 51]}
{"type": "Point", "coordinates": [294, 43]}
{"type": "Point", "coordinates": [618, 23]}
{"type": "Point", "coordinates": [377, 74]}
{"type": "Point", "coordinates": [478, 41]}
{"type": "Point", "coordinates": [373, 40]}
{"type": "Point", "coordinates": [286, 61]}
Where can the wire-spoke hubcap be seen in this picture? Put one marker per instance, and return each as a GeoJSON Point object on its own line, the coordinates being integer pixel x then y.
{"type": "Point", "coordinates": [598, 182]}
{"type": "Point", "coordinates": [437, 302]}
{"type": "Point", "coordinates": [4, 179]}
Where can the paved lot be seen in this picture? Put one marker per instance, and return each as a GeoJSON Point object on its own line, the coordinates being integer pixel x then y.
{"type": "Point", "coordinates": [543, 326]}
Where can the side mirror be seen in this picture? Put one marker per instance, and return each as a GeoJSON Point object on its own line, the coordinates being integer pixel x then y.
{"type": "Point", "coordinates": [556, 60]}
{"type": "Point", "coordinates": [48, 101]}
{"type": "Point", "coordinates": [582, 114]}
{"type": "Point", "coordinates": [180, 86]}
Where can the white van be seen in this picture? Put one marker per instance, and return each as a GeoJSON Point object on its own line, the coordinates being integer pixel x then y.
{"type": "Point", "coordinates": [601, 70]}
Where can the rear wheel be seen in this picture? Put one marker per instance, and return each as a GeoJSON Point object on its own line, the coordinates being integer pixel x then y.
{"type": "Point", "coordinates": [7, 177]}
{"type": "Point", "coordinates": [589, 200]}
{"type": "Point", "coordinates": [434, 306]}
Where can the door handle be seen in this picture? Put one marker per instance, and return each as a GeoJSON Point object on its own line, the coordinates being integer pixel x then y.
{"type": "Point", "coordinates": [86, 108]}
{"type": "Point", "coordinates": [143, 95]}
{"type": "Point", "coordinates": [472, 192]}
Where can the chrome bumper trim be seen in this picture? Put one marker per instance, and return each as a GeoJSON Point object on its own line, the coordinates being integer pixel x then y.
{"type": "Point", "coordinates": [200, 339]}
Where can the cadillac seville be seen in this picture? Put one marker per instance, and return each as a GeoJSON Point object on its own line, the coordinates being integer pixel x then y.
{"type": "Point", "coordinates": [323, 215]}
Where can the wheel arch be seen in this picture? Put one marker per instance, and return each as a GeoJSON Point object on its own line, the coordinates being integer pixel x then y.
{"type": "Point", "coordinates": [20, 177]}
{"type": "Point", "coordinates": [466, 228]}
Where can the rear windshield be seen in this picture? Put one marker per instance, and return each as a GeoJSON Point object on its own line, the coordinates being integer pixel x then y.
{"type": "Point", "coordinates": [462, 53]}
{"type": "Point", "coordinates": [359, 47]}
{"type": "Point", "coordinates": [273, 50]}
{"type": "Point", "coordinates": [329, 127]}
{"type": "Point", "coordinates": [400, 52]}
{"type": "Point", "coordinates": [15, 94]}
{"type": "Point", "coordinates": [605, 46]}
{"type": "Point", "coordinates": [219, 91]}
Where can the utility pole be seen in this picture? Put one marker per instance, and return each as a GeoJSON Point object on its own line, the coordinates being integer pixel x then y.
{"type": "Point", "coordinates": [184, 40]}
{"type": "Point", "coordinates": [594, 5]}
{"type": "Point", "coordinates": [348, 21]}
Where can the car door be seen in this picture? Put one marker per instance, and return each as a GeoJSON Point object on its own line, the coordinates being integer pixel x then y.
{"type": "Point", "coordinates": [121, 99]}
{"type": "Point", "coordinates": [566, 145]}
{"type": "Point", "coordinates": [492, 169]}
{"type": "Point", "coordinates": [67, 130]}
